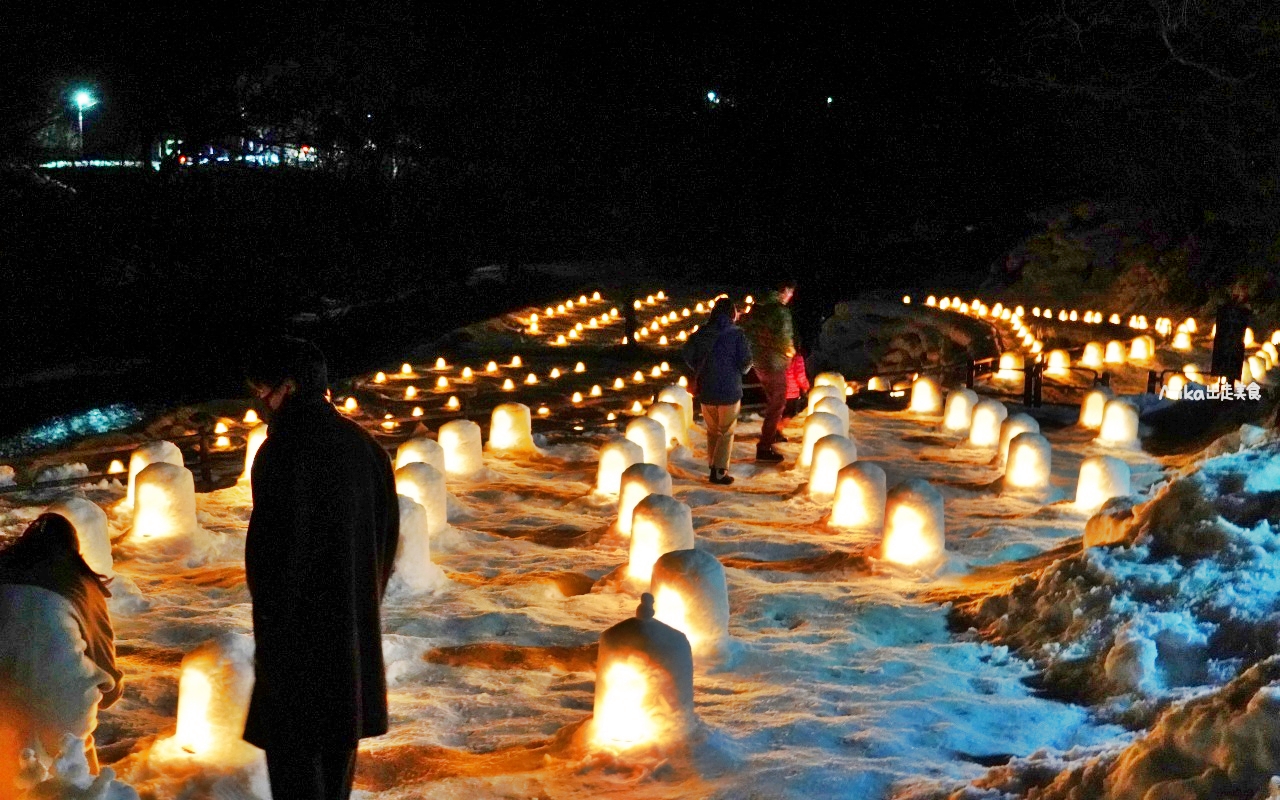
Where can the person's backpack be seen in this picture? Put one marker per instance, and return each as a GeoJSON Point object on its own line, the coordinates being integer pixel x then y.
{"type": "Point", "coordinates": [695, 380]}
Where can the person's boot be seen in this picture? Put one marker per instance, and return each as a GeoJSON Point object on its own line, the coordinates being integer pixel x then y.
{"type": "Point", "coordinates": [721, 477]}
{"type": "Point", "coordinates": [768, 455]}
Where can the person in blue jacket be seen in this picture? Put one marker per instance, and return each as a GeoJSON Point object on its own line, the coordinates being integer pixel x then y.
{"type": "Point", "coordinates": [717, 356]}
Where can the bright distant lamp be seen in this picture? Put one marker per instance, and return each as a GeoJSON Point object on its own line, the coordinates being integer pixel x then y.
{"type": "Point", "coordinates": [83, 99]}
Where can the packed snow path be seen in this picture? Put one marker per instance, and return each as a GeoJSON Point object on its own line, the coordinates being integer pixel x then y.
{"type": "Point", "coordinates": [843, 680]}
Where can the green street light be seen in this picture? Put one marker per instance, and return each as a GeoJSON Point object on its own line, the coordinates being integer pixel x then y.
{"type": "Point", "coordinates": [83, 100]}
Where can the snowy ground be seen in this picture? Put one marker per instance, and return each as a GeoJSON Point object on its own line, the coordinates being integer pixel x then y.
{"type": "Point", "coordinates": [844, 680]}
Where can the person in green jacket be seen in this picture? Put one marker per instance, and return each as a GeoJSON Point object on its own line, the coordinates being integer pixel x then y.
{"type": "Point", "coordinates": [770, 332]}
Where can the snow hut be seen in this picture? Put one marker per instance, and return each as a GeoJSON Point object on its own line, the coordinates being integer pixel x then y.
{"type": "Point", "coordinates": [860, 497]}
{"type": "Point", "coordinates": [984, 430]}
{"type": "Point", "coordinates": [644, 684]}
{"type": "Point", "coordinates": [926, 396]}
{"type": "Point", "coordinates": [463, 452]}
{"type": "Point", "coordinates": [1028, 466]}
{"type": "Point", "coordinates": [150, 453]}
{"type": "Point", "coordinates": [420, 449]}
{"type": "Point", "coordinates": [424, 485]}
{"type": "Point", "coordinates": [831, 454]}
{"type": "Point", "coordinates": [615, 456]}
{"type": "Point", "coordinates": [1101, 478]}
{"type": "Point", "coordinates": [1119, 424]}
{"type": "Point", "coordinates": [958, 413]}
{"type": "Point", "coordinates": [690, 594]}
{"type": "Point", "coordinates": [659, 524]}
{"type": "Point", "coordinates": [915, 526]}
{"type": "Point", "coordinates": [652, 438]}
{"type": "Point", "coordinates": [638, 482]}
{"type": "Point", "coordinates": [511, 429]}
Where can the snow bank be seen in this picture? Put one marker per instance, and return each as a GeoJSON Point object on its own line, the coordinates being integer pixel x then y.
{"type": "Point", "coordinates": [864, 338]}
{"type": "Point", "coordinates": [1182, 590]}
{"type": "Point", "coordinates": [1222, 745]}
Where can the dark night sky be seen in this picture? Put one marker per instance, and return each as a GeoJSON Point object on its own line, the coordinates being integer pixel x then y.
{"type": "Point", "coordinates": [905, 69]}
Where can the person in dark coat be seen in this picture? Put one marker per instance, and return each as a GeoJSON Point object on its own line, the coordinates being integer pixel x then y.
{"type": "Point", "coordinates": [1228, 340]}
{"type": "Point", "coordinates": [718, 355]}
{"type": "Point", "coordinates": [320, 549]}
{"type": "Point", "coordinates": [57, 647]}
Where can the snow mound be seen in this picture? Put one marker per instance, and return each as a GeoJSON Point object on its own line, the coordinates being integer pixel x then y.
{"type": "Point", "coordinates": [864, 338]}
{"type": "Point", "coordinates": [1221, 745]}
{"type": "Point", "coordinates": [1180, 591]}
{"type": "Point", "coordinates": [70, 778]}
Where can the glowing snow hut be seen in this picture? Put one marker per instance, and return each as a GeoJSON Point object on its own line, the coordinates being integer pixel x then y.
{"type": "Point", "coordinates": [414, 569]}
{"type": "Point", "coordinates": [926, 396]}
{"type": "Point", "coordinates": [860, 497]}
{"type": "Point", "coordinates": [511, 429]}
{"type": "Point", "coordinates": [1094, 356]}
{"type": "Point", "coordinates": [1142, 348]}
{"type": "Point", "coordinates": [90, 522]}
{"type": "Point", "coordinates": [420, 449]}
{"type": "Point", "coordinates": [652, 438]}
{"type": "Point", "coordinates": [1114, 353]}
{"type": "Point", "coordinates": [164, 502]}
{"type": "Point", "coordinates": [615, 456]}
{"type": "Point", "coordinates": [915, 526]}
{"type": "Point", "coordinates": [644, 684]}
{"type": "Point", "coordinates": [424, 485]}
{"type": "Point", "coordinates": [833, 379]}
{"type": "Point", "coordinates": [1010, 366]}
{"type": "Point", "coordinates": [146, 455]}
{"type": "Point", "coordinates": [830, 405]}
{"type": "Point", "coordinates": [1058, 363]}
{"type": "Point", "coordinates": [691, 595]}
{"type": "Point", "coordinates": [984, 429]}
{"type": "Point", "coordinates": [1013, 425]}
{"type": "Point", "coordinates": [1101, 478]}
{"type": "Point", "coordinates": [831, 454]}
{"type": "Point", "coordinates": [214, 687]}
{"type": "Point", "coordinates": [819, 392]}
{"type": "Point", "coordinates": [1181, 341]}
{"type": "Point", "coordinates": [638, 482]}
{"type": "Point", "coordinates": [958, 412]}
{"type": "Point", "coordinates": [1092, 407]}
{"type": "Point", "coordinates": [1119, 424]}
{"type": "Point", "coordinates": [659, 524]}
{"type": "Point", "coordinates": [671, 417]}
{"type": "Point", "coordinates": [817, 425]}
{"type": "Point", "coordinates": [463, 451]}
{"type": "Point", "coordinates": [680, 396]}
{"type": "Point", "coordinates": [1028, 466]}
